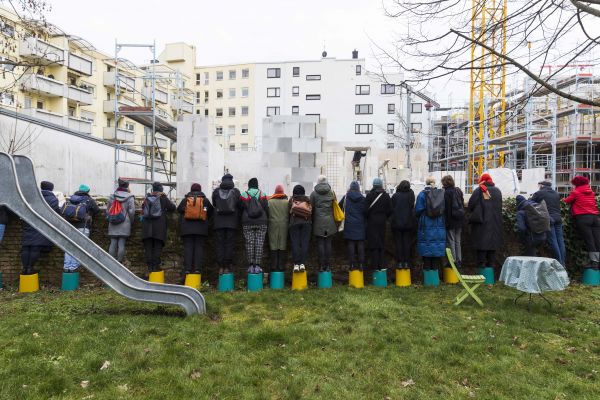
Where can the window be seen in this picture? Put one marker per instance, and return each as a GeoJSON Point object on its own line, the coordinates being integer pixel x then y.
{"type": "Point", "coordinates": [231, 130]}
{"type": "Point", "coordinates": [390, 129]}
{"type": "Point", "coordinates": [6, 67]}
{"type": "Point", "coordinates": [272, 111]}
{"type": "Point", "coordinates": [198, 97]}
{"type": "Point", "coordinates": [296, 91]}
{"type": "Point", "coordinates": [7, 29]}
{"type": "Point", "coordinates": [296, 71]}
{"type": "Point", "coordinates": [219, 112]}
{"type": "Point", "coordinates": [273, 92]}
{"type": "Point", "coordinates": [7, 99]}
{"type": "Point", "coordinates": [197, 111]}
{"type": "Point", "coordinates": [244, 146]}
{"type": "Point", "coordinates": [313, 97]}
{"type": "Point", "coordinates": [198, 78]}
{"type": "Point", "coordinates": [129, 126]}
{"type": "Point", "coordinates": [206, 80]}
{"type": "Point", "coordinates": [244, 111]}
{"type": "Point", "coordinates": [390, 145]}
{"type": "Point", "coordinates": [231, 93]}
{"type": "Point", "coordinates": [71, 111]}
{"type": "Point", "coordinates": [245, 73]}
{"type": "Point", "coordinates": [313, 77]}
{"type": "Point", "coordinates": [219, 94]}
{"type": "Point", "coordinates": [295, 110]}
{"type": "Point", "coordinates": [219, 130]}
{"type": "Point", "coordinates": [244, 92]}
{"type": "Point", "coordinates": [363, 109]}
{"type": "Point", "coordinates": [40, 105]}
{"type": "Point", "coordinates": [244, 129]}
{"type": "Point", "coordinates": [232, 147]}
{"type": "Point", "coordinates": [363, 89]}
{"type": "Point", "coordinates": [206, 96]}
{"type": "Point", "coordinates": [416, 127]}
{"type": "Point", "coordinates": [358, 70]}
{"type": "Point", "coordinates": [232, 111]}
{"type": "Point", "coordinates": [315, 115]}
{"type": "Point", "coordinates": [27, 102]}
{"type": "Point", "coordinates": [273, 72]}
{"type": "Point", "coordinates": [363, 129]}
{"type": "Point", "coordinates": [388, 88]}
{"type": "Point", "coordinates": [206, 112]}
{"type": "Point", "coordinates": [219, 75]}
{"type": "Point", "coordinates": [232, 74]}
{"type": "Point", "coordinates": [391, 108]}
{"type": "Point", "coordinates": [416, 108]}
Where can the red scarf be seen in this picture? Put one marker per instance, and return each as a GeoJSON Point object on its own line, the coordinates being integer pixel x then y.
{"type": "Point", "coordinates": [278, 196]}
{"type": "Point", "coordinates": [483, 179]}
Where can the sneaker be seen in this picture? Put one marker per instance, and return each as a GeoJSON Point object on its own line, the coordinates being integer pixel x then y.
{"type": "Point", "coordinates": [301, 267]}
{"type": "Point", "coordinates": [251, 269]}
{"type": "Point", "coordinates": [296, 268]}
{"type": "Point", "coordinates": [257, 269]}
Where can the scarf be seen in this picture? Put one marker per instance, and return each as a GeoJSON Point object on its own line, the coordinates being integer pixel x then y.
{"type": "Point", "coordinates": [278, 196]}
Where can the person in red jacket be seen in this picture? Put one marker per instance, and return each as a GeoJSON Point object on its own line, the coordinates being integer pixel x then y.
{"type": "Point", "coordinates": [585, 212]}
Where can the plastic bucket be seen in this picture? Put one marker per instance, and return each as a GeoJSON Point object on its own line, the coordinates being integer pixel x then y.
{"type": "Point", "coordinates": [225, 283]}
{"type": "Point", "coordinates": [324, 280]}
{"type": "Point", "coordinates": [70, 281]}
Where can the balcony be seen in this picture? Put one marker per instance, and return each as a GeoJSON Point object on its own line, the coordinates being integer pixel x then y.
{"type": "Point", "coordinates": [80, 64]}
{"type": "Point", "coordinates": [79, 95]}
{"type": "Point", "coordinates": [43, 85]}
{"type": "Point", "coordinates": [126, 83]}
{"type": "Point", "coordinates": [108, 106]}
{"type": "Point", "coordinates": [41, 51]}
{"type": "Point", "coordinates": [182, 104]}
{"type": "Point", "coordinates": [79, 125]}
{"type": "Point", "coordinates": [161, 143]}
{"type": "Point", "coordinates": [122, 135]}
{"type": "Point", "coordinates": [44, 115]}
{"type": "Point", "coordinates": [159, 95]}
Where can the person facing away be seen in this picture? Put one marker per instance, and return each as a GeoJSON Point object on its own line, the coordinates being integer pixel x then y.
{"type": "Point", "coordinates": [324, 226]}
{"type": "Point", "coordinates": [300, 211]}
{"type": "Point", "coordinates": [155, 207]}
{"type": "Point", "coordinates": [585, 212]}
{"type": "Point", "coordinates": [454, 216]}
{"type": "Point", "coordinates": [378, 207]}
{"type": "Point", "coordinates": [255, 218]}
{"type": "Point", "coordinates": [278, 228]}
{"type": "Point", "coordinates": [195, 211]}
{"type": "Point", "coordinates": [431, 233]}
{"type": "Point", "coordinates": [33, 243]}
{"type": "Point", "coordinates": [485, 217]}
{"type": "Point", "coordinates": [530, 239]}
{"type": "Point", "coordinates": [555, 236]}
{"type": "Point", "coordinates": [403, 222]}
{"type": "Point", "coordinates": [120, 212]}
{"type": "Point", "coordinates": [81, 198]}
{"type": "Point", "coordinates": [226, 203]}
{"type": "Point", "coordinates": [3, 221]}
{"type": "Point", "coordinates": [355, 225]}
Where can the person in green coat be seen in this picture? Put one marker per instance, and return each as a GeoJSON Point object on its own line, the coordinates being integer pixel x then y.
{"type": "Point", "coordinates": [278, 228]}
{"type": "Point", "coordinates": [324, 226]}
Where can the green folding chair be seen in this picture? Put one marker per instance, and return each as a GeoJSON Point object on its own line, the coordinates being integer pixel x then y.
{"type": "Point", "coordinates": [466, 280]}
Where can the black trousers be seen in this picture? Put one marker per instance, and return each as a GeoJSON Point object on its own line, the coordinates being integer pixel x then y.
{"type": "Point", "coordinates": [152, 252]}
{"type": "Point", "coordinates": [29, 256]}
{"type": "Point", "coordinates": [225, 244]}
{"type": "Point", "coordinates": [300, 239]}
{"type": "Point", "coordinates": [486, 258]}
{"type": "Point", "coordinates": [193, 253]}
{"type": "Point", "coordinates": [588, 226]}
{"type": "Point", "coordinates": [531, 246]}
{"type": "Point", "coordinates": [324, 250]}
{"type": "Point", "coordinates": [356, 248]}
{"type": "Point", "coordinates": [377, 258]}
{"type": "Point", "coordinates": [431, 262]}
{"type": "Point", "coordinates": [278, 259]}
{"type": "Point", "coordinates": [403, 240]}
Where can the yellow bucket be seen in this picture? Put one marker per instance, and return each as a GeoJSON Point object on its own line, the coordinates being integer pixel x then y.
{"type": "Point", "coordinates": [29, 283]}
{"type": "Point", "coordinates": [356, 279]}
{"type": "Point", "coordinates": [449, 276]}
{"type": "Point", "coordinates": [193, 280]}
{"type": "Point", "coordinates": [299, 280]}
{"type": "Point", "coordinates": [403, 277]}
{"type": "Point", "coordinates": [157, 277]}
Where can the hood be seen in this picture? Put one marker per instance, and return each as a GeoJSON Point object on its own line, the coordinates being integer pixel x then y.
{"type": "Point", "coordinates": [322, 188]}
{"type": "Point", "coordinates": [81, 193]}
{"type": "Point", "coordinates": [226, 184]}
{"type": "Point", "coordinates": [122, 196]}
{"type": "Point", "coordinates": [254, 192]}
{"type": "Point", "coordinates": [354, 196]}
{"type": "Point", "coordinates": [47, 193]}
{"type": "Point", "coordinates": [192, 194]}
{"type": "Point", "coordinates": [523, 204]}
{"type": "Point", "coordinates": [300, 197]}
{"type": "Point", "coordinates": [585, 189]}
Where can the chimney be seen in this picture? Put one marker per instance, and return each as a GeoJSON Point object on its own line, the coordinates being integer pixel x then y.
{"type": "Point", "coordinates": [354, 54]}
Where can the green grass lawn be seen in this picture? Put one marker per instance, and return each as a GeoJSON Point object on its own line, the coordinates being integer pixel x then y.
{"type": "Point", "coordinates": [394, 343]}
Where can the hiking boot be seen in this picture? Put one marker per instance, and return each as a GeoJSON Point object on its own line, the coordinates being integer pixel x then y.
{"type": "Point", "coordinates": [296, 268]}
{"type": "Point", "coordinates": [301, 267]}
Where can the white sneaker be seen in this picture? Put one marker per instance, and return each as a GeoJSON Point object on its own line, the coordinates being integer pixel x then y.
{"type": "Point", "coordinates": [296, 268]}
{"type": "Point", "coordinates": [302, 268]}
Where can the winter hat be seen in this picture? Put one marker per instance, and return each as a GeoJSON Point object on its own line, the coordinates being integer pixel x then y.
{"type": "Point", "coordinates": [322, 179]}
{"type": "Point", "coordinates": [299, 190]}
{"type": "Point", "coordinates": [545, 183]}
{"type": "Point", "coordinates": [580, 181]}
{"type": "Point", "coordinates": [279, 189]}
{"type": "Point", "coordinates": [483, 179]}
{"type": "Point", "coordinates": [227, 177]}
{"type": "Point", "coordinates": [520, 199]}
{"type": "Point", "coordinates": [123, 184]}
{"type": "Point", "coordinates": [196, 187]}
{"type": "Point", "coordinates": [45, 185]}
{"type": "Point", "coordinates": [354, 185]}
{"type": "Point", "coordinates": [377, 183]}
{"type": "Point", "coordinates": [84, 188]}
{"type": "Point", "coordinates": [253, 183]}
{"type": "Point", "coordinates": [157, 187]}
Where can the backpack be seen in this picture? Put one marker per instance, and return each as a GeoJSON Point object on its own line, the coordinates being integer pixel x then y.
{"type": "Point", "coordinates": [116, 214]}
{"type": "Point", "coordinates": [301, 209]}
{"type": "Point", "coordinates": [254, 208]}
{"type": "Point", "coordinates": [75, 209]}
{"type": "Point", "coordinates": [151, 208]}
{"type": "Point", "coordinates": [225, 202]}
{"type": "Point", "coordinates": [458, 205]}
{"type": "Point", "coordinates": [435, 202]}
{"type": "Point", "coordinates": [194, 208]}
{"type": "Point", "coordinates": [538, 218]}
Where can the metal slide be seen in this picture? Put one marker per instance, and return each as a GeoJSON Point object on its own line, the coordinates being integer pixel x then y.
{"type": "Point", "coordinates": [20, 193]}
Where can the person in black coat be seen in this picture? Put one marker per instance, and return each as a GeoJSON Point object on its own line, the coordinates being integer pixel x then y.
{"type": "Point", "coordinates": [154, 230]}
{"type": "Point", "coordinates": [225, 222]}
{"type": "Point", "coordinates": [556, 239]}
{"type": "Point", "coordinates": [454, 216]}
{"type": "Point", "coordinates": [33, 243]}
{"type": "Point", "coordinates": [487, 235]}
{"type": "Point", "coordinates": [378, 207]}
{"type": "Point", "coordinates": [403, 222]}
{"type": "Point", "coordinates": [194, 231]}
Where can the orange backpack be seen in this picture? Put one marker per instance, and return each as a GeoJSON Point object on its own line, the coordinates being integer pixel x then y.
{"type": "Point", "coordinates": [194, 209]}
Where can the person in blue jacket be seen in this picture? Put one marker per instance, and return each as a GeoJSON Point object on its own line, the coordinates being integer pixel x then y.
{"type": "Point", "coordinates": [431, 235]}
{"type": "Point", "coordinates": [353, 204]}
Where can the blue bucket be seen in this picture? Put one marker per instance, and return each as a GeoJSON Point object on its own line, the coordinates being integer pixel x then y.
{"type": "Point", "coordinates": [276, 280]}
{"type": "Point", "coordinates": [255, 282]}
{"type": "Point", "coordinates": [431, 277]}
{"type": "Point", "coordinates": [324, 280]}
{"type": "Point", "coordinates": [591, 277]}
{"type": "Point", "coordinates": [380, 277]}
{"type": "Point", "coordinates": [70, 281]}
{"type": "Point", "coordinates": [225, 283]}
{"type": "Point", "coordinates": [488, 272]}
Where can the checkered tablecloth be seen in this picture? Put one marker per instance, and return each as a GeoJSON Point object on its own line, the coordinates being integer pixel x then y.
{"type": "Point", "coordinates": [534, 274]}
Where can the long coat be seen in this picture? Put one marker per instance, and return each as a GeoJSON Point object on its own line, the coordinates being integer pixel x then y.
{"type": "Point", "coordinates": [431, 235]}
{"type": "Point", "coordinates": [450, 193]}
{"type": "Point", "coordinates": [321, 200]}
{"type": "Point", "coordinates": [377, 215]}
{"type": "Point", "coordinates": [279, 211]}
{"type": "Point", "coordinates": [488, 235]}
{"type": "Point", "coordinates": [127, 201]}
{"type": "Point", "coordinates": [194, 227]}
{"type": "Point", "coordinates": [355, 224]}
{"type": "Point", "coordinates": [31, 237]}
{"type": "Point", "coordinates": [403, 210]}
{"type": "Point", "coordinates": [157, 228]}
{"type": "Point", "coordinates": [226, 221]}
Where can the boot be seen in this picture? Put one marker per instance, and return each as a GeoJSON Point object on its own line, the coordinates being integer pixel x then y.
{"type": "Point", "coordinates": [28, 270]}
{"type": "Point", "coordinates": [274, 260]}
{"type": "Point", "coordinates": [399, 265]}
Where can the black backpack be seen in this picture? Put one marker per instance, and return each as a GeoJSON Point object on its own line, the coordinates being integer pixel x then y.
{"type": "Point", "coordinates": [538, 217]}
{"type": "Point", "coordinates": [225, 202]}
{"type": "Point", "coordinates": [254, 208]}
{"type": "Point", "coordinates": [458, 205]}
{"type": "Point", "coordinates": [151, 208]}
{"type": "Point", "coordinates": [435, 202]}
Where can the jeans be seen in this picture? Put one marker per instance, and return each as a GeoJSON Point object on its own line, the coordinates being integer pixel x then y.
{"type": "Point", "coordinates": [225, 242]}
{"type": "Point", "coordinates": [117, 248]}
{"type": "Point", "coordinates": [71, 264]}
{"type": "Point", "coordinates": [324, 250]}
{"type": "Point", "coordinates": [152, 252]}
{"type": "Point", "coordinates": [556, 241]}
{"type": "Point", "coordinates": [356, 248]}
{"type": "Point", "coordinates": [453, 237]}
{"type": "Point", "coordinates": [2, 230]}
{"type": "Point", "coordinates": [300, 238]}
{"type": "Point", "coordinates": [403, 241]}
{"type": "Point", "coordinates": [193, 253]}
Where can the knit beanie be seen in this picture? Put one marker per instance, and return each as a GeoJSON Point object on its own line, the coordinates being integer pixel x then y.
{"type": "Point", "coordinates": [123, 184]}
{"type": "Point", "coordinates": [84, 188]}
{"type": "Point", "coordinates": [279, 189]}
{"type": "Point", "coordinates": [253, 183]}
{"type": "Point", "coordinates": [299, 190]}
{"type": "Point", "coordinates": [580, 180]}
{"type": "Point", "coordinates": [322, 179]}
{"type": "Point", "coordinates": [196, 187]}
{"type": "Point", "coordinates": [354, 185]}
{"type": "Point", "coordinates": [227, 177]}
{"type": "Point", "coordinates": [520, 199]}
{"type": "Point", "coordinates": [157, 187]}
{"type": "Point", "coordinates": [45, 185]}
{"type": "Point", "coordinates": [377, 183]}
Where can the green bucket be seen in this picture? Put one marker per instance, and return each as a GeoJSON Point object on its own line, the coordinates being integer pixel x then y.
{"type": "Point", "coordinates": [488, 273]}
{"type": "Point", "coordinates": [324, 280]}
{"type": "Point", "coordinates": [70, 281]}
{"type": "Point", "coordinates": [255, 282]}
{"type": "Point", "coordinates": [431, 277]}
{"type": "Point", "coordinates": [276, 280]}
{"type": "Point", "coordinates": [591, 277]}
{"type": "Point", "coordinates": [380, 278]}
{"type": "Point", "coordinates": [225, 283]}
